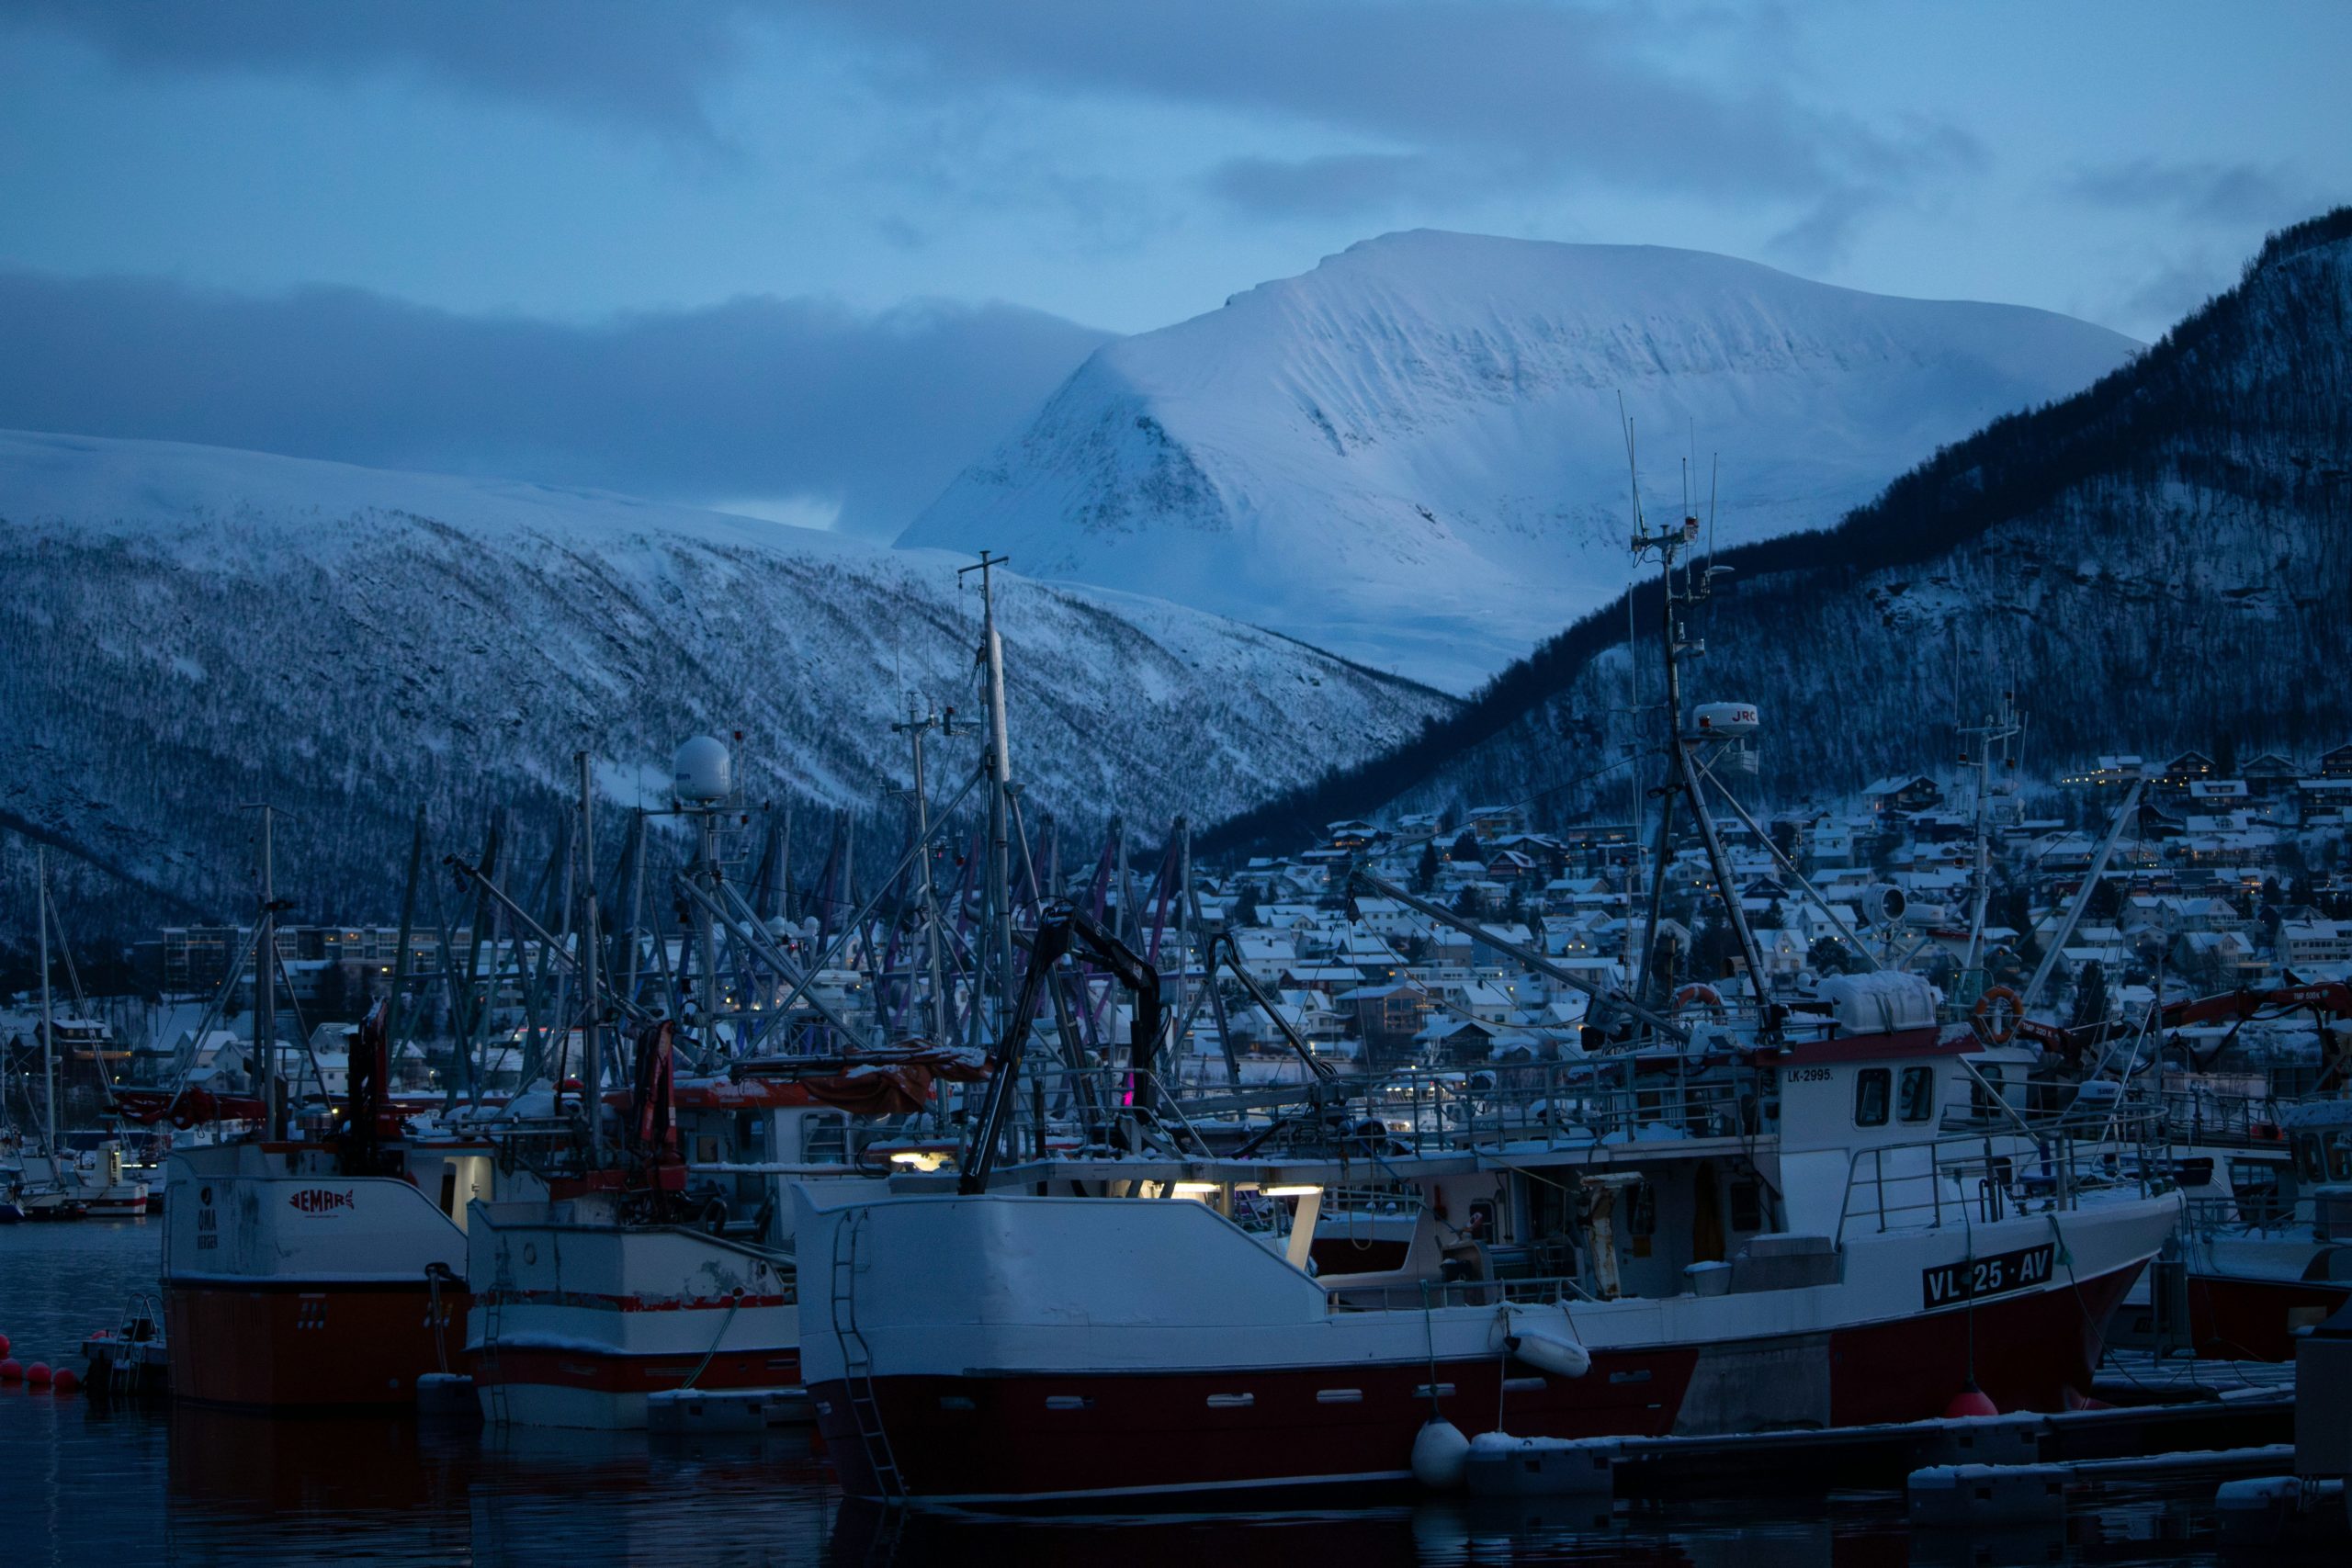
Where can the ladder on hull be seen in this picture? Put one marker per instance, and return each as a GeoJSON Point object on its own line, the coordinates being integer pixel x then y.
{"type": "Point", "coordinates": [486, 1367]}
{"type": "Point", "coordinates": [857, 1363]}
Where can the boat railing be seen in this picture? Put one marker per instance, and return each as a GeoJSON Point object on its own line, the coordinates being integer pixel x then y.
{"type": "Point", "coordinates": [1557, 1105]}
{"type": "Point", "coordinates": [2219, 1119]}
{"type": "Point", "coordinates": [1408, 1111]}
{"type": "Point", "coordinates": [1978, 1179]}
{"type": "Point", "coordinates": [1429, 1294]}
{"type": "Point", "coordinates": [2252, 1214]}
{"type": "Point", "coordinates": [1397, 1201]}
{"type": "Point", "coordinates": [1091, 1108]}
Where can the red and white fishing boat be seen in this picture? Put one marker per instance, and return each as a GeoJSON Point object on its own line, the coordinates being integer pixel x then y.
{"type": "Point", "coordinates": [1759, 1215]}
{"type": "Point", "coordinates": [107, 1184]}
{"type": "Point", "coordinates": [1832, 1230]}
{"type": "Point", "coordinates": [328, 1271]}
{"type": "Point", "coordinates": [2255, 1273]}
{"type": "Point", "coordinates": [611, 1291]}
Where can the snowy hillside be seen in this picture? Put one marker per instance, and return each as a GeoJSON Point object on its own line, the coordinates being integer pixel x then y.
{"type": "Point", "coordinates": [189, 629]}
{"type": "Point", "coordinates": [1412, 455]}
{"type": "Point", "coordinates": [2156, 564]}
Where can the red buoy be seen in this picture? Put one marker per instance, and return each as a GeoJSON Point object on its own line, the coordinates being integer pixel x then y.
{"type": "Point", "coordinates": [4, 1344]}
{"type": "Point", "coordinates": [10, 1371]}
{"type": "Point", "coordinates": [38, 1374]}
{"type": "Point", "coordinates": [64, 1381]}
{"type": "Point", "coordinates": [1970, 1401]}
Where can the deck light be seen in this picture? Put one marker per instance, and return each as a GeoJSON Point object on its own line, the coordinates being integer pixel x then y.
{"type": "Point", "coordinates": [1293, 1192]}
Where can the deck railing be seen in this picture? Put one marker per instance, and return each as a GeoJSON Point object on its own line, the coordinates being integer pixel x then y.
{"type": "Point", "coordinates": [1555, 1105]}
{"type": "Point", "coordinates": [1422, 1295]}
{"type": "Point", "coordinates": [1978, 1179]}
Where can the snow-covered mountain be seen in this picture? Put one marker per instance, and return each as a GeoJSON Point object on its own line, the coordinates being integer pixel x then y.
{"type": "Point", "coordinates": [2157, 563]}
{"type": "Point", "coordinates": [187, 629]}
{"type": "Point", "coordinates": [1412, 455]}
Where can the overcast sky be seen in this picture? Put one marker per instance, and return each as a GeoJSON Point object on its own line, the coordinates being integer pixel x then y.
{"type": "Point", "coordinates": [809, 258]}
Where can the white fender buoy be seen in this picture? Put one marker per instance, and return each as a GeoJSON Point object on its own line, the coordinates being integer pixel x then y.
{"type": "Point", "coordinates": [1544, 1339]}
{"type": "Point", "coordinates": [1439, 1451]}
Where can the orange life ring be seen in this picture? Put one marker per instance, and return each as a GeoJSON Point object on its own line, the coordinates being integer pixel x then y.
{"type": "Point", "coordinates": [1998, 1013]}
{"type": "Point", "coordinates": [1697, 993]}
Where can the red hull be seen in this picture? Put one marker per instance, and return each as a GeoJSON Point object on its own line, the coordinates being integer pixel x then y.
{"type": "Point", "coordinates": [2236, 1319]}
{"type": "Point", "coordinates": [299, 1345]}
{"type": "Point", "coordinates": [998, 1438]}
{"type": "Point", "coordinates": [591, 1372]}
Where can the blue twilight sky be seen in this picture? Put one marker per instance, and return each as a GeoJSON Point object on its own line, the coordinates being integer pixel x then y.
{"type": "Point", "coordinates": [807, 257]}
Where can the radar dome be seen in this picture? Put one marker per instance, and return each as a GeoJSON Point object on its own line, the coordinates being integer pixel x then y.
{"type": "Point", "coordinates": [702, 771]}
{"type": "Point", "coordinates": [1728, 718]}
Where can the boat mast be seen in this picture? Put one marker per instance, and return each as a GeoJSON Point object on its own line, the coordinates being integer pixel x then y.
{"type": "Point", "coordinates": [997, 894]}
{"type": "Point", "coordinates": [935, 1004]}
{"type": "Point", "coordinates": [706, 932]}
{"type": "Point", "coordinates": [265, 986]}
{"type": "Point", "coordinates": [1666, 544]}
{"type": "Point", "coordinates": [591, 1036]}
{"type": "Point", "coordinates": [1998, 729]}
{"type": "Point", "coordinates": [47, 1012]}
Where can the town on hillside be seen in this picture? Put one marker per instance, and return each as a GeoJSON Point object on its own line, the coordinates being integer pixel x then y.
{"type": "Point", "coordinates": [2227, 878]}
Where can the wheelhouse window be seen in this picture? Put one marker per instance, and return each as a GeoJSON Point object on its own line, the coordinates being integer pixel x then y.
{"type": "Point", "coordinates": [1871, 1089]}
{"type": "Point", "coordinates": [1919, 1099]}
{"type": "Point", "coordinates": [2310, 1164]}
{"type": "Point", "coordinates": [1747, 1206]}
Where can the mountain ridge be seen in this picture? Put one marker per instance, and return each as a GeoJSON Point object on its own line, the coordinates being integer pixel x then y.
{"type": "Point", "coordinates": [2087, 554]}
{"type": "Point", "coordinates": [193, 628]}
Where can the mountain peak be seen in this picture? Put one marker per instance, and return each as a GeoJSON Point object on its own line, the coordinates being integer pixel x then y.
{"type": "Point", "coordinates": [1412, 454]}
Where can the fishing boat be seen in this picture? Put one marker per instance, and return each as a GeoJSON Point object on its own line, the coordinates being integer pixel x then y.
{"type": "Point", "coordinates": [586, 1303]}
{"type": "Point", "coordinates": [320, 1271]}
{"type": "Point", "coordinates": [2250, 1084]}
{"type": "Point", "coordinates": [1825, 1233]}
{"type": "Point", "coordinates": [661, 1258]}
{"type": "Point", "coordinates": [108, 1189]}
{"type": "Point", "coordinates": [314, 1238]}
{"type": "Point", "coordinates": [1735, 1212]}
{"type": "Point", "coordinates": [2257, 1269]}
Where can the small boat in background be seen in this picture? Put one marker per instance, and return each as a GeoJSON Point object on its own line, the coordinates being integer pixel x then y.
{"type": "Point", "coordinates": [45, 1189]}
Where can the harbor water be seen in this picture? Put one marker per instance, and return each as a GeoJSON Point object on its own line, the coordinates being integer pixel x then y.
{"type": "Point", "coordinates": [84, 1482]}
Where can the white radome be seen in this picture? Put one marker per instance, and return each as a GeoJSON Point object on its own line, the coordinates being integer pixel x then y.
{"type": "Point", "coordinates": [1728, 718]}
{"type": "Point", "coordinates": [703, 770]}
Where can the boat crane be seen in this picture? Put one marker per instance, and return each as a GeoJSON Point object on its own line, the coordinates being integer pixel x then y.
{"type": "Point", "coordinates": [1061, 926]}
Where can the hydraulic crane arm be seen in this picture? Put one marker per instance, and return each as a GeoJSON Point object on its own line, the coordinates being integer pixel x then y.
{"type": "Point", "coordinates": [1060, 927]}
